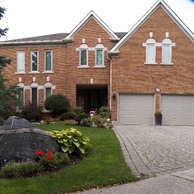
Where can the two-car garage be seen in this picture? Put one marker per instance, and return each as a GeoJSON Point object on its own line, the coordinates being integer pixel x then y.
{"type": "Point", "coordinates": [139, 109]}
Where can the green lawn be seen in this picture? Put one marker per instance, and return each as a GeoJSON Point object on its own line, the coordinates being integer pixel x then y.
{"type": "Point", "coordinates": [103, 166]}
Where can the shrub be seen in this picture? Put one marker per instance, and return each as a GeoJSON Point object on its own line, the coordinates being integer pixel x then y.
{"type": "Point", "coordinates": [81, 116]}
{"type": "Point", "coordinates": [103, 112]}
{"type": "Point", "coordinates": [85, 122]}
{"type": "Point", "coordinates": [67, 116]}
{"type": "Point", "coordinates": [58, 104]}
{"type": "Point", "coordinates": [95, 119]}
{"type": "Point", "coordinates": [101, 125]}
{"type": "Point", "coordinates": [49, 120]}
{"type": "Point", "coordinates": [32, 112]}
{"type": "Point", "coordinates": [70, 122]}
{"type": "Point", "coordinates": [78, 110]}
{"type": "Point", "coordinates": [72, 141]}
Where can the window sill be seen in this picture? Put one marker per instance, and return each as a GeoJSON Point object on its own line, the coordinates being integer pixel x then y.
{"type": "Point", "coordinates": [147, 63]}
{"type": "Point", "coordinates": [99, 66]}
{"type": "Point", "coordinates": [47, 72]}
{"type": "Point", "coordinates": [34, 72]}
{"type": "Point", "coordinates": [167, 64]}
{"type": "Point", "coordinates": [22, 72]}
{"type": "Point", "coordinates": [83, 67]}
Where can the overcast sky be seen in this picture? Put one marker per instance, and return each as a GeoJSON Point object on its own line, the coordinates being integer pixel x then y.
{"type": "Point", "coordinates": [28, 18]}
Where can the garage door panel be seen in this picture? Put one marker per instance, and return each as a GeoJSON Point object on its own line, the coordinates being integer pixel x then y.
{"type": "Point", "coordinates": [177, 109]}
{"type": "Point", "coordinates": [136, 109]}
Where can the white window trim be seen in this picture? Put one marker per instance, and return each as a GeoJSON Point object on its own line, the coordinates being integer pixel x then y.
{"type": "Point", "coordinates": [31, 72]}
{"type": "Point", "coordinates": [48, 71]}
{"type": "Point", "coordinates": [20, 72]}
{"type": "Point", "coordinates": [99, 66]}
{"type": "Point", "coordinates": [83, 66]}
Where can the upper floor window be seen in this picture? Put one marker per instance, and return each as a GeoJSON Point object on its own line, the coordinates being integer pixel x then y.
{"type": "Point", "coordinates": [167, 51]}
{"type": "Point", "coordinates": [150, 50]}
{"type": "Point", "coordinates": [20, 61]}
{"type": "Point", "coordinates": [34, 61]}
{"type": "Point", "coordinates": [48, 60]}
{"type": "Point", "coordinates": [99, 55]}
{"type": "Point", "coordinates": [83, 55]}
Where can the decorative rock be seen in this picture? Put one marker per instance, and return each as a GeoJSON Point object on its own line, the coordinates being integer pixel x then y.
{"type": "Point", "coordinates": [19, 140]}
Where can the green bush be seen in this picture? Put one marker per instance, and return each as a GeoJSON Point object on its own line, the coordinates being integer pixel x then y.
{"type": "Point", "coordinates": [78, 110]}
{"type": "Point", "coordinates": [103, 112]}
{"type": "Point", "coordinates": [32, 112]}
{"type": "Point", "coordinates": [72, 141]}
{"type": "Point", "coordinates": [81, 116]}
{"type": "Point", "coordinates": [67, 116]}
{"type": "Point", "coordinates": [58, 104]}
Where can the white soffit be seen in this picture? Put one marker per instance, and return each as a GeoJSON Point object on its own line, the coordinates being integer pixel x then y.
{"type": "Point", "coordinates": [169, 12]}
{"type": "Point", "coordinates": [93, 15]}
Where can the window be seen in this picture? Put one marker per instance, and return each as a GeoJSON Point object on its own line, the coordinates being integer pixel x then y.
{"type": "Point", "coordinates": [48, 60]}
{"type": "Point", "coordinates": [99, 57]}
{"type": "Point", "coordinates": [150, 53]}
{"type": "Point", "coordinates": [34, 96]}
{"type": "Point", "coordinates": [47, 93]}
{"type": "Point", "coordinates": [20, 98]}
{"type": "Point", "coordinates": [20, 61]}
{"type": "Point", "coordinates": [34, 61]}
{"type": "Point", "coordinates": [166, 53]}
{"type": "Point", "coordinates": [83, 57]}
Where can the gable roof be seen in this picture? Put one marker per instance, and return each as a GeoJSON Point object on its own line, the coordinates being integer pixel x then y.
{"type": "Point", "coordinates": [171, 14]}
{"type": "Point", "coordinates": [93, 15]}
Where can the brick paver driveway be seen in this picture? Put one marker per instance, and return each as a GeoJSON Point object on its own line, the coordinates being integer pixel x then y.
{"type": "Point", "coordinates": [154, 150]}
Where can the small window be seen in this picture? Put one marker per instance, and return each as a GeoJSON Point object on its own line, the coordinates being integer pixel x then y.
{"type": "Point", "coordinates": [34, 61]}
{"type": "Point", "coordinates": [83, 57]}
{"type": "Point", "coordinates": [20, 61]}
{"type": "Point", "coordinates": [48, 61]}
{"type": "Point", "coordinates": [20, 98]}
{"type": "Point", "coordinates": [166, 53]}
{"type": "Point", "coordinates": [34, 96]}
{"type": "Point", "coordinates": [99, 57]}
{"type": "Point", "coordinates": [47, 93]}
{"type": "Point", "coordinates": [150, 53]}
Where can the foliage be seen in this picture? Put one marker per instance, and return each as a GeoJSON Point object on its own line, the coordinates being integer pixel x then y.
{"type": "Point", "coordinates": [70, 122]}
{"type": "Point", "coordinates": [72, 140]}
{"type": "Point", "coordinates": [158, 113]}
{"type": "Point", "coordinates": [26, 168]}
{"type": "Point", "coordinates": [85, 123]}
{"type": "Point", "coordinates": [78, 110]}
{"type": "Point", "coordinates": [81, 116]}
{"type": "Point", "coordinates": [1, 121]}
{"type": "Point", "coordinates": [67, 116]}
{"type": "Point", "coordinates": [101, 125]}
{"type": "Point", "coordinates": [103, 112]}
{"type": "Point", "coordinates": [95, 119]}
{"type": "Point", "coordinates": [58, 104]}
{"type": "Point", "coordinates": [49, 120]}
{"type": "Point", "coordinates": [8, 96]}
{"type": "Point", "coordinates": [32, 112]}
{"type": "Point", "coordinates": [2, 31]}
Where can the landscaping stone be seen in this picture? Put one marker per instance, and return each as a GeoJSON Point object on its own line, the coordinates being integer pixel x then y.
{"type": "Point", "coordinates": [19, 140]}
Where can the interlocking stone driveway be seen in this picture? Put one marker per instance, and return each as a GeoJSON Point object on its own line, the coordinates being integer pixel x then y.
{"type": "Point", "coordinates": [156, 150]}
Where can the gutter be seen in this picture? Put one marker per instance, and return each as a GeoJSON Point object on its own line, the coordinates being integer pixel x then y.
{"type": "Point", "coordinates": [66, 40]}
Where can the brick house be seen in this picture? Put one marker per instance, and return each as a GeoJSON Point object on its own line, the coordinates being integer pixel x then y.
{"type": "Point", "coordinates": [136, 73]}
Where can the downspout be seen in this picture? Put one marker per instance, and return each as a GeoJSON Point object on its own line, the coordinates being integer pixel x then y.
{"type": "Point", "coordinates": [110, 97]}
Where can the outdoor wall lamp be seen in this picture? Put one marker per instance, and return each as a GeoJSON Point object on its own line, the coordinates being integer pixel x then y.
{"type": "Point", "coordinates": [114, 96]}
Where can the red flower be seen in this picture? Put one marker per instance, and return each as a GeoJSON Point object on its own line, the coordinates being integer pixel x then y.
{"type": "Point", "coordinates": [98, 123]}
{"type": "Point", "coordinates": [49, 158]}
{"type": "Point", "coordinates": [39, 153]}
{"type": "Point", "coordinates": [49, 153]}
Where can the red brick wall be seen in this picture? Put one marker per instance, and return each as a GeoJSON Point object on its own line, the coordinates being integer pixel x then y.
{"type": "Point", "coordinates": [130, 75]}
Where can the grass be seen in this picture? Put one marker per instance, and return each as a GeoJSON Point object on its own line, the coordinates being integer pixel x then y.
{"type": "Point", "coordinates": [104, 166]}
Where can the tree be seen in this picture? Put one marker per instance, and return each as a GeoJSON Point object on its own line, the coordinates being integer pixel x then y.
{"type": "Point", "coordinates": [7, 93]}
{"type": "Point", "coordinates": [58, 104]}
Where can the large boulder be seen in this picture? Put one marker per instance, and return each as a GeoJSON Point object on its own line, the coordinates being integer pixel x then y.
{"type": "Point", "coordinates": [19, 140]}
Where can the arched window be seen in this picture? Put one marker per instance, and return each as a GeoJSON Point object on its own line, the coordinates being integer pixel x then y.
{"type": "Point", "coordinates": [34, 93]}
{"type": "Point", "coordinates": [167, 51]}
{"type": "Point", "coordinates": [83, 55]}
{"type": "Point", "coordinates": [99, 56]}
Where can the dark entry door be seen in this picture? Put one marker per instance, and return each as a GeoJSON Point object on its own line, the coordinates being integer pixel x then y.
{"type": "Point", "coordinates": [93, 100]}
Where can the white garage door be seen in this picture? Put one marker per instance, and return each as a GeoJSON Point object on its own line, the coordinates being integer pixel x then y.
{"type": "Point", "coordinates": [177, 109]}
{"type": "Point", "coordinates": [136, 109]}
